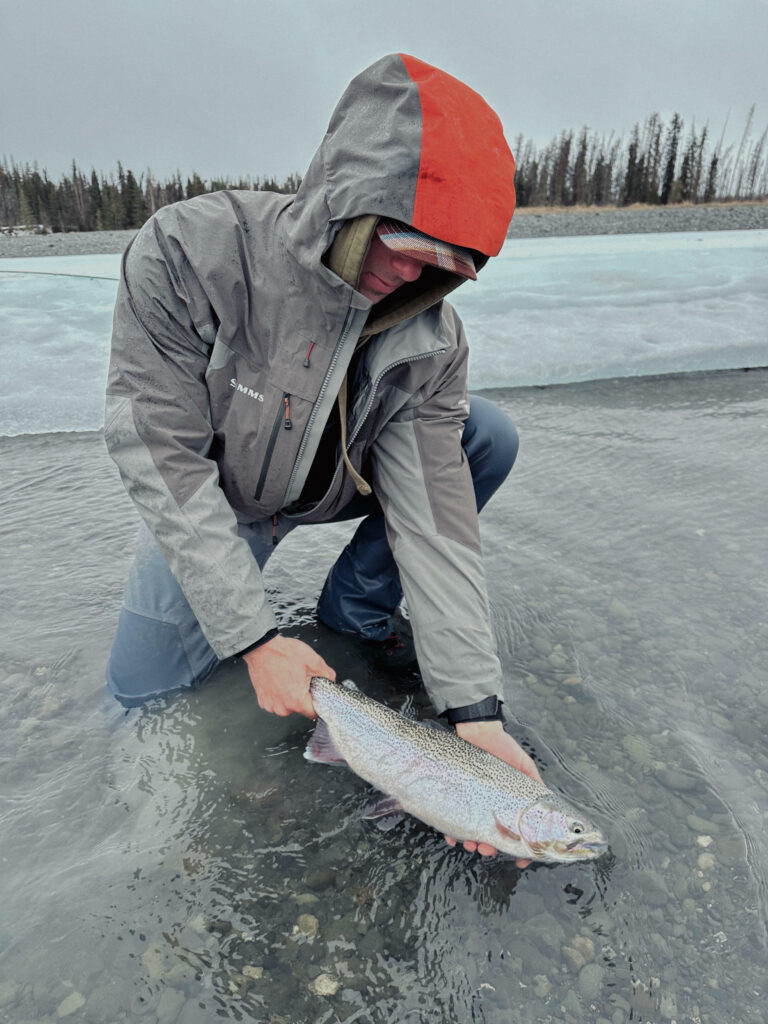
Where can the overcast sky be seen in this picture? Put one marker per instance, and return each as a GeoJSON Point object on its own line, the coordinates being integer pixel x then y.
{"type": "Point", "coordinates": [239, 87]}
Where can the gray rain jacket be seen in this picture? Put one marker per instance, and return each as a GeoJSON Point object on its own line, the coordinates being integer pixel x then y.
{"type": "Point", "coordinates": [214, 412]}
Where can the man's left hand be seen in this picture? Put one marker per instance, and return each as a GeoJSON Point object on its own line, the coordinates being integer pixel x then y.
{"type": "Point", "coordinates": [490, 736]}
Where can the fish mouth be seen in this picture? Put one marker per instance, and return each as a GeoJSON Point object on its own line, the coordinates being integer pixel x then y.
{"type": "Point", "coordinates": [587, 848]}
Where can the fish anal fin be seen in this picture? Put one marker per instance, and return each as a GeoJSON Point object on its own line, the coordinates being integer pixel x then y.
{"type": "Point", "coordinates": [506, 831]}
{"type": "Point", "coordinates": [321, 749]}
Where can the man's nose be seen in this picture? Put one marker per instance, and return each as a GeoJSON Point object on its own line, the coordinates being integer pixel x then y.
{"type": "Point", "coordinates": [406, 267]}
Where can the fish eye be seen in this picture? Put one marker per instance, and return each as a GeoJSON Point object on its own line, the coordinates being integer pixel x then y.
{"type": "Point", "coordinates": [577, 828]}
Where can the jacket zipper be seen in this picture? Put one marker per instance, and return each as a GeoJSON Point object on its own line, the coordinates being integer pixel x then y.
{"type": "Point", "coordinates": [375, 388]}
{"type": "Point", "coordinates": [283, 419]}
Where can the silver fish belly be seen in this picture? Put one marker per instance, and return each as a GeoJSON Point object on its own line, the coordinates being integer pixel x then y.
{"type": "Point", "coordinates": [430, 772]}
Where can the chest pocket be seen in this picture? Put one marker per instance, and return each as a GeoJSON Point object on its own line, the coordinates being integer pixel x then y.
{"type": "Point", "coordinates": [258, 416]}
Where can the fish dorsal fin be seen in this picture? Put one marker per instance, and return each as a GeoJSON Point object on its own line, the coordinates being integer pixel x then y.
{"type": "Point", "coordinates": [321, 749]}
{"type": "Point", "coordinates": [349, 685]}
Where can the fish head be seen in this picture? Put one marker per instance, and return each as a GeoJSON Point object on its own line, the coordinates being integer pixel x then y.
{"type": "Point", "coordinates": [552, 831]}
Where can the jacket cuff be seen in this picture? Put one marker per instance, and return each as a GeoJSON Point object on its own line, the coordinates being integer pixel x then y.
{"type": "Point", "coordinates": [269, 635]}
{"type": "Point", "coordinates": [488, 710]}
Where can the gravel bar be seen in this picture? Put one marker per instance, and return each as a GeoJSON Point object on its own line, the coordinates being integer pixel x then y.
{"type": "Point", "coordinates": [640, 220]}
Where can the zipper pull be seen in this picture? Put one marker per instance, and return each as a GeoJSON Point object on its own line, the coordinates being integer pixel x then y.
{"type": "Point", "coordinates": [287, 423]}
{"type": "Point", "coordinates": [274, 529]}
{"type": "Point", "coordinates": [309, 352]}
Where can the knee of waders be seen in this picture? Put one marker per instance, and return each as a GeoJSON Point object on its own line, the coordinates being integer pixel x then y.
{"type": "Point", "coordinates": [491, 443]}
{"type": "Point", "coordinates": [148, 659]}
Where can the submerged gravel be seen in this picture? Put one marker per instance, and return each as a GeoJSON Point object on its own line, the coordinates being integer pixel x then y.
{"type": "Point", "coordinates": [526, 224]}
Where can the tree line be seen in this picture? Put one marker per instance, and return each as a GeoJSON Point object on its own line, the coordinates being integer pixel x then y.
{"type": "Point", "coordinates": [92, 202]}
{"type": "Point", "coordinates": [659, 163]}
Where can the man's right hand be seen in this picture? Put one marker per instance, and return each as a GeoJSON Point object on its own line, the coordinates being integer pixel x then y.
{"type": "Point", "coordinates": [281, 671]}
{"type": "Point", "coordinates": [492, 737]}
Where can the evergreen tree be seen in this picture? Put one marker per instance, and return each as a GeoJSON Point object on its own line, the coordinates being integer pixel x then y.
{"type": "Point", "coordinates": [579, 182]}
{"type": "Point", "coordinates": [686, 172]}
{"type": "Point", "coordinates": [558, 193]}
{"type": "Point", "coordinates": [633, 176]}
{"type": "Point", "coordinates": [698, 167]}
{"type": "Point", "coordinates": [112, 210]}
{"type": "Point", "coordinates": [652, 148]}
{"type": "Point", "coordinates": [94, 196]}
{"type": "Point", "coordinates": [755, 166]}
{"type": "Point", "coordinates": [541, 184]}
{"type": "Point", "coordinates": [134, 213]}
{"type": "Point", "coordinates": [195, 186]}
{"type": "Point", "coordinates": [26, 215]}
{"type": "Point", "coordinates": [673, 138]}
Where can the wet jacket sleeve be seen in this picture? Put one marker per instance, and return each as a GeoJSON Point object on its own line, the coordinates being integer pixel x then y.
{"type": "Point", "coordinates": [158, 431]}
{"type": "Point", "coordinates": [423, 481]}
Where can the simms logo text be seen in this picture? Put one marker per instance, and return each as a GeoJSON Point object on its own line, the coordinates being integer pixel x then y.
{"type": "Point", "coordinates": [246, 391]}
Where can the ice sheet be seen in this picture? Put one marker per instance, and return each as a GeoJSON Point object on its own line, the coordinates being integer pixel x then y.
{"type": "Point", "coordinates": [548, 310]}
{"type": "Point", "coordinates": [552, 311]}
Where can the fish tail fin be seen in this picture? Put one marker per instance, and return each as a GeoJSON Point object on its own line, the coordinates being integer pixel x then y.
{"type": "Point", "coordinates": [321, 749]}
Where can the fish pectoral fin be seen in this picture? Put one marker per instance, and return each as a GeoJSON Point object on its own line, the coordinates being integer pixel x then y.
{"type": "Point", "coordinates": [321, 749]}
{"type": "Point", "coordinates": [386, 811]}
{"type": "Point", "coordinates": [506, 832]}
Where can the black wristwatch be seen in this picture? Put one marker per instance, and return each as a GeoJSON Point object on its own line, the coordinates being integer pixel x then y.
{"type": "Point", "coordinates": [488, 710]}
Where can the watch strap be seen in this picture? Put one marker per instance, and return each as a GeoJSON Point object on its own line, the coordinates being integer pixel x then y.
{"type": "Point", "coordinates": [488, 710]}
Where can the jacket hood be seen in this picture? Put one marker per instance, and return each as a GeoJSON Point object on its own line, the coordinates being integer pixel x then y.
{"type": "Point", "coordinates": [411, 143]}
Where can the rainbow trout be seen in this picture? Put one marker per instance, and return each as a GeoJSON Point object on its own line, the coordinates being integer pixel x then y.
{"type": "Point", "coordinates": [428, 771]}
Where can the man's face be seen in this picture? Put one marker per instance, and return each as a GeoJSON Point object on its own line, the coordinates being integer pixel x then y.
{"type": "Point", "coordinates": [384, 270]}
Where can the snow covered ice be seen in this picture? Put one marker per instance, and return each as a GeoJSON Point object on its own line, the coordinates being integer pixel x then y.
{"type": "Point", "coordinates": [55, 323]}
{"type": "Point", "coordinates": [546, 311]}
{"type": "Point", "coordinates": [557, 310]}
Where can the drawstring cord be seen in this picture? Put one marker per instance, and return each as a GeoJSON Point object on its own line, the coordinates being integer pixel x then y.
{"type": "Point", "coordinates": [363, 486]}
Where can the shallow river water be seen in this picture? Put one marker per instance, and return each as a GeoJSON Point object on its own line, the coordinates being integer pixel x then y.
{"type": "Point", "coordinates": [183, 862]}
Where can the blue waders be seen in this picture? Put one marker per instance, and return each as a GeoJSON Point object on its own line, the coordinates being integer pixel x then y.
{"type": "Point", "coordinates": [159, 646]}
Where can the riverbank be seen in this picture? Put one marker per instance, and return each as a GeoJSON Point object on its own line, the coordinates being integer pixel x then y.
{"type": "Point", "coordinates": [531, 222]}
{"type": "Point", "coordinates": [543, 222]}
